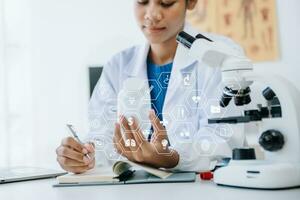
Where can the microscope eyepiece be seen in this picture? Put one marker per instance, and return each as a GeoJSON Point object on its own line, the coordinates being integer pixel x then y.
{"type": "Point", "coordinates": [225, 100]}
{"type": "Point", "coordinates": [241, 97]}
{"type": "Point", "coordinates": [242, 100]}
{"type": "Point", "coordinates": [226, 97]}
{"type": "Point", "coordinates": [268, 93]}
{"type": "Point", "coordinates": [185, 39]}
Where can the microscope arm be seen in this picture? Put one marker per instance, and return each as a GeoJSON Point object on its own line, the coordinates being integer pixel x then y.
{"type": "Point", "coordinates": [213, 53]}
{"type": "Point", "coordinates": [235, 67]}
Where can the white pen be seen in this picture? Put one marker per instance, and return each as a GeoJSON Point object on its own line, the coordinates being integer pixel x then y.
{"type": "Point", "coordinates": [76, 137]}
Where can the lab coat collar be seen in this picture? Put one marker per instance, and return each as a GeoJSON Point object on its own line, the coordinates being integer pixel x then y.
{"type": "Point", "coordinates": [138, 65]}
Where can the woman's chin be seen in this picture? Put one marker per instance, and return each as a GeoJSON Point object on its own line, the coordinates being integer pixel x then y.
{"type": "Point", "coordinates": [156, 40]}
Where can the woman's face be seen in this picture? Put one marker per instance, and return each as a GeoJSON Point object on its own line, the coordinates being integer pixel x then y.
{"type": "Point", "coordinates": [161, 20]}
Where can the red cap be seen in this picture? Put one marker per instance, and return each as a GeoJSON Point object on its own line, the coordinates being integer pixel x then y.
{"type": "Point", "coordinates": [206, 175]}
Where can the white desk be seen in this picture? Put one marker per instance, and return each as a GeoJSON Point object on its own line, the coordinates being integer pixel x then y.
{"type": "Point", "coordinates": [200, 190]}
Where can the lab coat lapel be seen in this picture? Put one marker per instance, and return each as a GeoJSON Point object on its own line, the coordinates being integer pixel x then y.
{"type": "Point", "coordinates": [183, 65]}
{"type": "Point", "coordinates": [138, 66]}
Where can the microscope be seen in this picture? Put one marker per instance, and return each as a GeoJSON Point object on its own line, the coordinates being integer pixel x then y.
{"type": "Point", "coordinates": [278, 121]}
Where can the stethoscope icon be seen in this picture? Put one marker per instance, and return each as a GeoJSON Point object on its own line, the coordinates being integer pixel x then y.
{"type": "Point", "coordinates": [166, 80]}
{"type": "Point", "coordinates": [187, 80]}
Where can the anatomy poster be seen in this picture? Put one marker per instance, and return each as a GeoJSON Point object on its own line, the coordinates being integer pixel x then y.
{"type": "Point", "coordinates": [251, 23]}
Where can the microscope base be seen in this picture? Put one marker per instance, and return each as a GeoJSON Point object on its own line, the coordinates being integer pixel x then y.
{"type": "Point", "coordinates": [259, 174]}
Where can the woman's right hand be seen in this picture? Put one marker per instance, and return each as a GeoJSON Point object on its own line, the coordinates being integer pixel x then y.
{"type": "Point", "coordinates": [71, 155]}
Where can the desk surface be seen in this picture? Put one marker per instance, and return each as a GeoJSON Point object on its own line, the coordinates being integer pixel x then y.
{"type": "Point", "coordinates": [34, 190]}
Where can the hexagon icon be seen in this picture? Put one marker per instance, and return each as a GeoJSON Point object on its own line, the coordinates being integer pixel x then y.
{"type": "Point", "coordinates": [144, 112]}
{"type": "Point", "coordinates": [225, 131]}
{"type": "Point", "coordinates": [188, 80]}
{"type": "Point", "coordinates": [111, 153]}
{"type": "Point", "coordinates": [162, 147]}
{"type": "Point", "coordinates": [180, 113]}
{"type": "Point", "coordinates": [164, 79]}
{"type": "Point", "coordinates": [97, 121]}
{"type": "Point", "coordinates": [101, 141]}
{"type": "Point", "coordinates": [154, 84]}
{"type": "Point", "coordinates": [213, 109]}
{"type": "Point", "coordinates": [167, 120]}
{"type": "Point", "coordinates": [104, 90]}
{"type": "Point", "coordinates": [131, 100]}
{"type": "Point", "coordinates": [131, 116]}
{"type": "Point", "coordinates": [130, 144]}
{"type": "Point", "coordinates": [196, 99]}
{"type": "Point", "coordinates": [205, 145]}
{"type": "Point", "coordinates": [110, 109]}
{"type": "Point", "coordinates": [146, 129]}
{"type": "Point", "coordinates": [184, 132]}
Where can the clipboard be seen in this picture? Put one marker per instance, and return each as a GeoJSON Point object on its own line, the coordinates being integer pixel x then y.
{"type": "Point", "coordinates": [138, 177]}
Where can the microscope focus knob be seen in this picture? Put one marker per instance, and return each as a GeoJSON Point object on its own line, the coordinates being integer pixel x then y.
{"type": "Point", "coordinates": [271, 140]}
{"type": "Point", "coordinates": [243, 154]}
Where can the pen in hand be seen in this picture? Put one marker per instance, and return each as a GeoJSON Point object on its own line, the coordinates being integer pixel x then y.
{"type": "Point", "coordinates": [76, 137]}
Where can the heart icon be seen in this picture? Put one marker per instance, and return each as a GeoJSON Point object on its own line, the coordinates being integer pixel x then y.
{"type": "Point", "coordinates": [196, 99]}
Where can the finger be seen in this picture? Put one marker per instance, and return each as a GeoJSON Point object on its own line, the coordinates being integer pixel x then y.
{"type": "Point", "coordinates": [71, 142]}
{"type": "Point", "coordinates": [160, 132]}
{"type": "Point", "coordinates": [71, 153]}
{"type": "Point", "coordinates": [118, 136]}
{"type": "Point", "coordinates": [89, 159]}
{"type": "Point", "coordinates": [155, 121]}
{"type": "Point", "coordinates": [119, 140]}
{"type": "Point", "coordinates": [126, 128]}
{"type": "Point", "coordinates": [120, 150]}
{"type": "Point", "coordinates": [124, 123]}
{"type": "Point", "coordinates": [92, 155]}
{"type": "Point", "coordinates": [89, 147]}
{"type": "Point", "coordinates": [92, 164]}
{"type": "Point", "coordinates": [137, 133]}
{"type": "Point", "coordinates": [69, 162]}
{"type": "Point", "coordinates": [76, 170]}
{"type": "Point", "coordinates": [130, 141]}
{"type": "Point", "coordinates": [126, 154]}
{"type": "Point", "coordinates": [119, 143]}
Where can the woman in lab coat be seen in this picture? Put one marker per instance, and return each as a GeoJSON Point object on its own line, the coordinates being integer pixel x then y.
{"type": "Point", "coordinates": [184, 92]}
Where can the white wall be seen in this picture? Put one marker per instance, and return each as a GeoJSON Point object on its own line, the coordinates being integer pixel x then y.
{"type": "Point", "coordinates": [17, 71]}
{"type": "Point", "coordinates": [49, 46]}
{"type": "Point", "coordinates": [69, 36]}
{"type": "Point", "coordinates": [66, 36]}
{"type": "Point", "coordinates": [3, 102]}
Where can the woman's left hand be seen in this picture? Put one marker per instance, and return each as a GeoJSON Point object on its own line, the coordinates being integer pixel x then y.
{"type": "Point", "coordinates": [136, 148]}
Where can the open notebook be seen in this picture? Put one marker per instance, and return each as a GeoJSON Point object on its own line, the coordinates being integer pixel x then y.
{"type": "Point", "coordinates": [123, 172]}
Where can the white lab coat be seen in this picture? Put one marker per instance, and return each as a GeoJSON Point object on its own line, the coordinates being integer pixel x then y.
{"type": "Point", "coordinates": [203, 81]}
